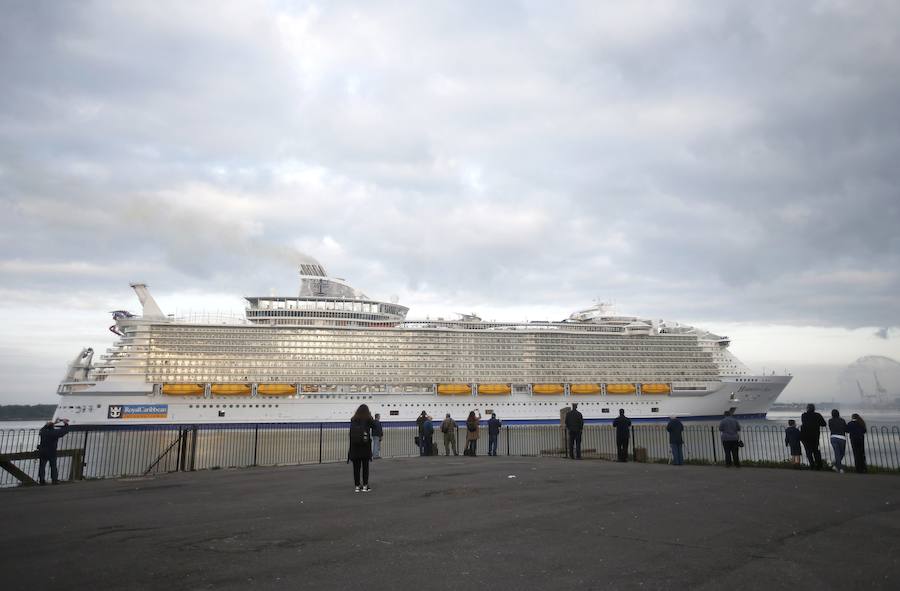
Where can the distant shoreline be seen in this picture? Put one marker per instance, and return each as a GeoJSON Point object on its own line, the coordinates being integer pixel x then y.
{"type": "Point", "coordinates": [27, 412]}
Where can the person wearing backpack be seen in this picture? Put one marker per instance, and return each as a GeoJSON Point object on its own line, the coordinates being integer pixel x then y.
{"type": "Point", "coordinates": [427, 435]}
{"type": "Point", "coordinates": [360, 451]}
{"type": "Point", "coordinates": [420, 435]}
{"type": "Point", "coordinates": [472, 433]}
{"type": "Point", "coordinates": [448, 428]}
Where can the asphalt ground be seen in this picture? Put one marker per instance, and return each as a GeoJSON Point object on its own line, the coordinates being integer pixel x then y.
{"type": "Point", "coordinates": [459, 522]}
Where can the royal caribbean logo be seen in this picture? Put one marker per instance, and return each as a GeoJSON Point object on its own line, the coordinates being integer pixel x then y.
{"type": "Point", "coordinates": [138, 411]}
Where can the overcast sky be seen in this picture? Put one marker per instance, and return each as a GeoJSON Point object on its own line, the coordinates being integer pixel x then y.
{"type": "Point", "coordinates": [729, 164]}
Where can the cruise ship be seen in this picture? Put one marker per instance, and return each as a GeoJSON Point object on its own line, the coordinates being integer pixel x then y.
{"type": "Point", "coordinates": [315, 357]}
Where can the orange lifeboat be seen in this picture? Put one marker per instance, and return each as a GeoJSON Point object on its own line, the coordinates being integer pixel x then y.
{"type": "Point", "coordinates": [454, 389]}
{"type": "Point", "coordinates": [230, 389]}
{"type": "Point", "coordinates": [620, 389]}
{"type": "Point", "coordinates": [655, 389]}
{"type": "Point", "coordinates": [494, 389]}
{"type": "Point", "coordinates": [547, 389]}
{"type": "Point", "coordinates": [276, 389]}
{"type": "Point", "coordinates": [584, 388]}
{"type": "Point", "coordinates": [182, 389]}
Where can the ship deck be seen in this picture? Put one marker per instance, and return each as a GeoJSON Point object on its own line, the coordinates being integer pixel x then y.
{"type": "Point", "coordinates": [447, 522]}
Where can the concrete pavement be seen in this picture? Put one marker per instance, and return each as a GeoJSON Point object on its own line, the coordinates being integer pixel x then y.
{"type": "Point", "coordinates": [442, 523]}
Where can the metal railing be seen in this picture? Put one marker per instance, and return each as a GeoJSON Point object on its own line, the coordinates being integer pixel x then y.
{"type": "Point", "coordinates": [153, 449]}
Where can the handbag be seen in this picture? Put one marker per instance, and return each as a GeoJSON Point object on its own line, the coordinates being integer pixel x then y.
{"type": "Point", "coordinates": [740, 443]}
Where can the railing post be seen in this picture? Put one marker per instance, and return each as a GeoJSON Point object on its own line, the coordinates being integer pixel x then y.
{"type": "Point", "coordinates": [193, 447]}
{"type": "Point", "coordinates": [84, 446]}
{"type": "Point", "coordinates": [633, 445]}
{"type": "Point", "coordinates": [320, 443]}
{"type": "Point", "coordinates": [255, 442]}
{"type": "Point", "coordinates": [712, 433]}
{"type": "Point", "coordinates": [76, 471]}
{"type": "Point", "coordinates": [182, 450]}
{"type": "Point", "coordinates": [507, 440]}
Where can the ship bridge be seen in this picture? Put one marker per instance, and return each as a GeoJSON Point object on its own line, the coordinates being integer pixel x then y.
{"type": "Point", "coordinates": [323, 301]}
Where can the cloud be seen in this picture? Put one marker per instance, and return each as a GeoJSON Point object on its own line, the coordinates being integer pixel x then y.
{"type": "Point", "coordinates": [727, 162]}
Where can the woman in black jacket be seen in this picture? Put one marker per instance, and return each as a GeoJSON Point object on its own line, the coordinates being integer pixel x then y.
{"type": "Point", "coordinates": [856, 429]}
{"type": "Point", "coordinates": [360, 452]}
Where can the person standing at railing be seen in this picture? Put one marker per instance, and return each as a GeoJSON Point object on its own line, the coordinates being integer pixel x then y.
{"type": "Point", "coordinates": [360, 452]}
{"type": "Point", "coordinates": [838, 428]}
{"type": "Point", "coordinates": [428, 435]}
{"type": "Point", "coordinates": [676, 439]}
{"type": "Point", "coordinates": [472, 433]}
{"type": "Point", "coordinates": [448, 428]}
{"type": "Point", "coordinates": [623, 433]}
{"type": "Point", "coordinates": [574, 427]}
{"type": "Point", "coordinates": [731, 438]}
{"type": "Point", "coordinates": [420, 422]}
{"type": "Point", "coordinates": [856, 429]}
{"type": "Point", "coordinates": [810, 424]}
{"type": "Point", "coordinates": [49, 438]}
{"type": "Point", "coordinates": [792, 440]}
{"type": "Point", "coordinates": [493, 434]}
{"type": "Point", "coordinates": [377, 434]}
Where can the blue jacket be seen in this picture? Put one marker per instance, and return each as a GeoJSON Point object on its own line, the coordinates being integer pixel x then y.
{"type": "Point", "coordinates": [494, 426]}
{"type": "Point", "coordinates": [675, 429]}
{"type": "Point", "coordinates": [792, 437]}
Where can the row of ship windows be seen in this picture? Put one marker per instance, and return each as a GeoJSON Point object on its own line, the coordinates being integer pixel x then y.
{"type": "Point", "coordinates": [351, 353]}
{"type": "Point", "coordinates": [441, 406]}
{"type": "Point", "coordinates": [268, 306]}
{"type": "Point", "coordinates": [199, 354]}
{"type": "Point", "coordinates": [508, 404]}
{"type": "Point", "coordinates": [417, 337]}
{"type": "Point", "coordinates": [450, 364]}
{"type": "Point", "coordinates": [233, 406]}
{"type": "Point", "coordinates": [386, 369]}
{"type": "Point", "coordinates": [372, 349]}
{"type": "Point", "coordinates": [422, 344]}
{"type": "Point", "coordinates": [589, 371]}
{"type": "Point", "coordinates": [318, 315]}
{"type": "Point", "coordinates": [405, 379]}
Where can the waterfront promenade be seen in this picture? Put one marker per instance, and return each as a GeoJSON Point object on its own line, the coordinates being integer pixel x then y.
{"type": "Point", "coordinates": [452, 523]}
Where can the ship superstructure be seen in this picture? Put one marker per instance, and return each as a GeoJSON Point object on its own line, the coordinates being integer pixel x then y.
{"type": "Point", "coordinates": [316, 356]}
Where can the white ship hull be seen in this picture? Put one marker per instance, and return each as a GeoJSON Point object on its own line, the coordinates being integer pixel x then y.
{"type": "Point", "coordinates": [747, 396]}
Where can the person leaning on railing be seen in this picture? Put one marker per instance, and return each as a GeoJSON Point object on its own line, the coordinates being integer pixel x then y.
{"type": "Point", "coordinates": [676, 439]}
{"type": "Point", "coordinates": [810, 424]}
{"type": "Point", "coordinates": [838, 428]}
{"type": "Point", "coordinates": [731, 439]}
{"type": "Point", "coordinates": [856, 429]}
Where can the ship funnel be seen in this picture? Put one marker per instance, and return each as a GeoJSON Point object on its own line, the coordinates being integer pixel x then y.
{"type": "Point", "coordinates": [151, 310]}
